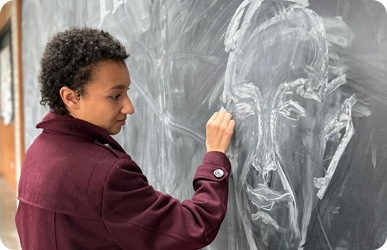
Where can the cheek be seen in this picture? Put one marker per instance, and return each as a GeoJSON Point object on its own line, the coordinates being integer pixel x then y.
{"type": "Point", "coordinates": [286, 133]}
{"type": "Point", "coordinates": [248, 131]}
{"type": "Point", "coordinates": [109, 108]}
{"type": "Point", "coordinates": [104, 112]}
{"type": "Point", "coordinates": [305, 135]}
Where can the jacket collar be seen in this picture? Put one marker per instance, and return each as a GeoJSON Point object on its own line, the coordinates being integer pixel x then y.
{"type": "Point", "coordinates": [67, 125]}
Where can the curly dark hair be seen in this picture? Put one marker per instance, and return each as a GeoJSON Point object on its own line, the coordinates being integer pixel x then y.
{"type": "Point", "coordinates": [70, 59]}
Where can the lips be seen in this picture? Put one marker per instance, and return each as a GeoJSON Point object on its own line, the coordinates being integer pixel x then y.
{"type": "Point", "coordinates": [121, 122]}
{"type": "Point", "coordinates": [264, 198]}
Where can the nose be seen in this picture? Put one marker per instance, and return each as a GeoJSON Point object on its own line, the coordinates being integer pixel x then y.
{"type": "Point", "coordinates": [264, 156]}
{"type": "Point", "coordinates": [264, 160]}
{"type": "Point", "coordinates": [127, 107]}
{"type": "Point", "coordinates": [264, 163]}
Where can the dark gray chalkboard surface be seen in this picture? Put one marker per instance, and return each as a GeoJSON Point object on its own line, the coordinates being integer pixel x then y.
{"type": "Point", "coordinates": [306, 82]}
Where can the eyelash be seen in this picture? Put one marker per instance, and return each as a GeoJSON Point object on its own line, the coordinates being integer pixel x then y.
{"type": "Point", "coordinates": [115, 98]}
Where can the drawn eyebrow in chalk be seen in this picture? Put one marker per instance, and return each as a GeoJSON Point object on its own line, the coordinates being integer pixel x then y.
{"type": "Point", "coordinates": [247, 90]}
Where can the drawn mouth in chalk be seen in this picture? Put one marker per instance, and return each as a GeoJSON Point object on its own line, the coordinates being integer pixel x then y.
{"type": "Point", "coordinates": [264, 198]}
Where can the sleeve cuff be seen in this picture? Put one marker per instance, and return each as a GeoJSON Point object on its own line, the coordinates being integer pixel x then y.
{"type": "Point", "coordinates": [215, 167]}
{"type": "Point", "coordinates": [216, 158]}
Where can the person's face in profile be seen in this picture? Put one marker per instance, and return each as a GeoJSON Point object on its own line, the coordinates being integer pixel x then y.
{"type": "Point", "coordinates": [105, 101]}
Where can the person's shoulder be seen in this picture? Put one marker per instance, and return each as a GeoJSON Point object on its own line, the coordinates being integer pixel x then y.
{"type": "Point", "coordinates": [115, 150]}
{"type": "Point", "coordinates": [62, 145]}
{"type": "Point", "coordinates": [68, 174]}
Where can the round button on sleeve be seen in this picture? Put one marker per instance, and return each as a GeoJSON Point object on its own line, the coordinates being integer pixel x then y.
{"type": "Point", "coordinates": [218, 173]}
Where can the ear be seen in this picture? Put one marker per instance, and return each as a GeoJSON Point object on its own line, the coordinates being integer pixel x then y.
{"type": "Point", "coordinates": [69, 98]}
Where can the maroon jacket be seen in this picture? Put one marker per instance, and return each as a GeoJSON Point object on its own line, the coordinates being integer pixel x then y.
{"type": "Point", "coordinates": [80, 190]}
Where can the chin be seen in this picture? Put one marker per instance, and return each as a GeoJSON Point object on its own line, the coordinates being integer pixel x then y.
{"type": "Point", "coordinates": [114, 131]}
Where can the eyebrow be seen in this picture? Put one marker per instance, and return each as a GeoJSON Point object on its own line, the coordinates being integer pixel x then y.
{"type": "Point", "coordinates": [118, 86]}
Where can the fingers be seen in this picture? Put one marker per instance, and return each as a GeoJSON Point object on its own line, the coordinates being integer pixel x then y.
{"type": "Point", "coordinates": [219, 130]}
{"type": "Point", "coordinates": [214, 117]}
{"type": "Point", "coordinates": [231, 126]}
{"type": "Point", "coordinates": [226, 119]}
{"type": "Point", "coordinates": [220, 117]}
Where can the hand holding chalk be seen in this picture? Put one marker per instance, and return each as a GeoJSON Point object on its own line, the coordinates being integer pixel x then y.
{"type": "Point", "coordinates": [220, 128]}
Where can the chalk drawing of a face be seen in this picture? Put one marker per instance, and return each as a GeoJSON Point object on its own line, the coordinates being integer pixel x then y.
{"type": "Point", "coordinates": [281, 86]}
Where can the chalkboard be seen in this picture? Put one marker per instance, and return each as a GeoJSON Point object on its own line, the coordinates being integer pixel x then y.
{"type": "Point", "coordinates": [306, 82]}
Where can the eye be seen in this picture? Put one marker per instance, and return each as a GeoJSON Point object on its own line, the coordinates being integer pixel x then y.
{"type": "Point", "coordinates": [244, 110]}
{"type": "Point", "coordinates": [115, 97]}
{"type": "Point", "coordinates": [292, 110]}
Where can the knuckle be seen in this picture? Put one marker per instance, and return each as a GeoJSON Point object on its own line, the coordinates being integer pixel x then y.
{"type": "Point", "coordinates": [211, 125]}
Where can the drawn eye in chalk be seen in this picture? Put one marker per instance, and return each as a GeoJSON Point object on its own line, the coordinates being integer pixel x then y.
{"type": "Point", "coordinates": [244, 110]}
{"type": "Point", "coordinates": [292, 110]}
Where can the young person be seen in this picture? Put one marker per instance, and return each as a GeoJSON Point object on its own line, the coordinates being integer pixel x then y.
{"type": "Point", "coordinates": [79, 189]}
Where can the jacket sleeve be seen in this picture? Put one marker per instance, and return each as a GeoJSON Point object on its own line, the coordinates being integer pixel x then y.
{"type": "Point", "coordinates": [139, 217]}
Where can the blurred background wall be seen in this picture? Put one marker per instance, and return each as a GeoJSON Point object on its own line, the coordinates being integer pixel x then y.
{"type": "Point", "coordinates": [11, 133]}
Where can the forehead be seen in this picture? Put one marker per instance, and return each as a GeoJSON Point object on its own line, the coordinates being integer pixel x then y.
{"type": "Point", "coordinates": [107, 74]}
{"type": "Point", "coordinates": [278, 48]}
